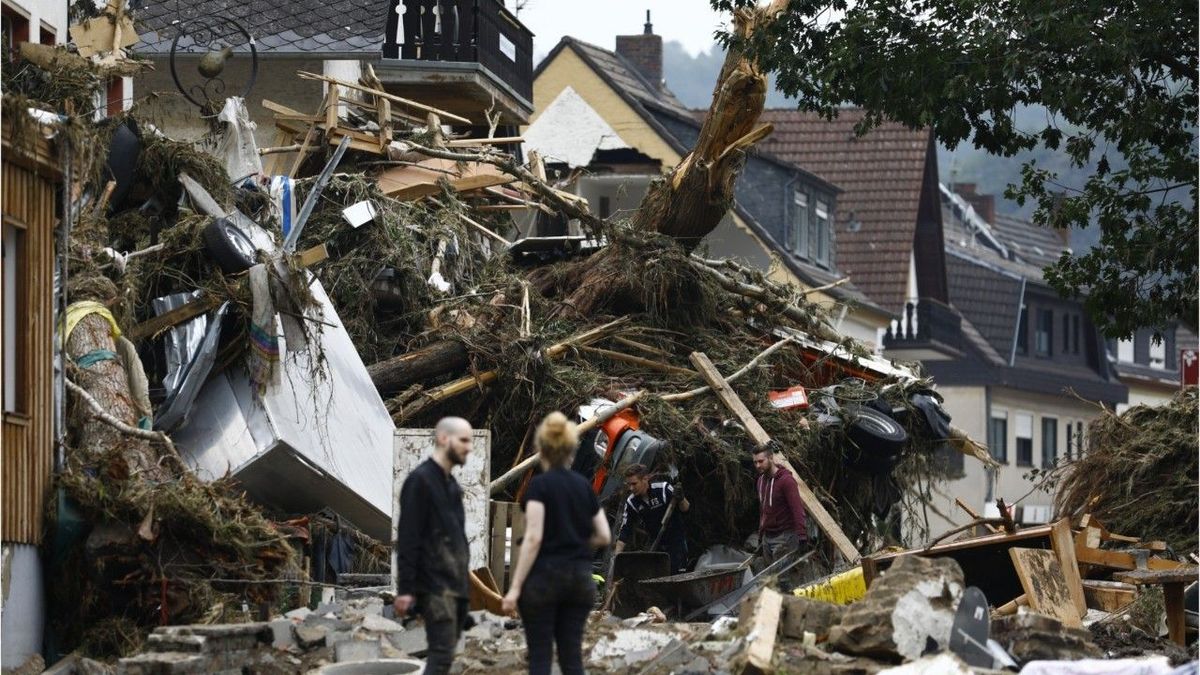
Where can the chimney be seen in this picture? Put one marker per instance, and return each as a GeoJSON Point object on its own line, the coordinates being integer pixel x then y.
{"type": "Point", "coordinates": [984, 205]}
{"type": "Point", "coordinates": [644, 52]}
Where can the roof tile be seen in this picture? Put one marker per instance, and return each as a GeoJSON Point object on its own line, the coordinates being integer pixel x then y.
{"type": "Point", "coordinates": [880, 174]}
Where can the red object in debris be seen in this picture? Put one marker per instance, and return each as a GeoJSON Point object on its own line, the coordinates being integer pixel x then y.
{"type": "Point", "coordinates": [626, 420]}
{"type": "Point", "coordinates": [1189, 367]}
{"type": "Point", "coordinates": [795, 398]}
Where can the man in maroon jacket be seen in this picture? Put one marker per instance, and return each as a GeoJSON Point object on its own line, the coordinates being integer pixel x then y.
{"type": "Point", "coordinates": [781, 523]}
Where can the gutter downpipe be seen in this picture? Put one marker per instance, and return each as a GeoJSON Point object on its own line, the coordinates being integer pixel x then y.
{"type": "Point", "coordinates": [1012, 354]}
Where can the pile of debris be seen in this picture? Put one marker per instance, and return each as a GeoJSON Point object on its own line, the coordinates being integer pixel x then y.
{"type": "Point", "coordinates": [1138, 473]}
{"type": "Point", "coordinates": [219, 316]}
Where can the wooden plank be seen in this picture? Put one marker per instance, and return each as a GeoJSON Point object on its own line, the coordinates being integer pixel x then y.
{"type": "Point", "coordinates": [1039, 532]}
{"type": "Point", "coordinates": [1120, 560]}
{"type": "Point", "coordinates": [1011, 606]}
{"type": "Point", "coordinates": [1044, 584]}
{"type": "Point", "coordinates": [313, 255]}
{"type": "Point", "coordinates": [376, 92]}
{"type": "Point", "coordinates": [152, 327]}
{"type": "Point", "coordinates": [1173, 607]}
{"type": "Point", "coordinates": [496, 549]}
{"type": "Point", "coordinates": [1179, 575]}
{"type": "Point", "coordinates": [517, 522]}
{"type": "Point", "coordinates": [1108, 596]}
{"type": "Point", "coordinates": [813, 505]}
{"type": "Point", "coordinates": [1063, 544]}
{"type": "Point", "coordinates": [762, 628]}
{"type": "Point", "coordinates": [468, 142]}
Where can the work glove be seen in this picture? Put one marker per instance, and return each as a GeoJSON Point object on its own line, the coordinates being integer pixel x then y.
{"type": "Point", "coordinates": [677, 491]}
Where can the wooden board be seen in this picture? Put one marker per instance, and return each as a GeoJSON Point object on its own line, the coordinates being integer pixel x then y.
{"type": "Point", "coordinates": [1045, 586]}
{"type": "Point", "coordinates": [1120, 560]}
{"type": "Point", "coordinates": [414, 446]}
{"type": "Point", "coordinates": [763, 627]}
{"type": "Point", "coordinates": [99, 35]}
{"type": "Point", "coordinates": [413, 182]}
{"type": "Point", "coordinates": [730, 398]}
{"type": "Point", "coordinates": [1063, 543]}
{"type": "Point", "coordinates": [1108, 596]}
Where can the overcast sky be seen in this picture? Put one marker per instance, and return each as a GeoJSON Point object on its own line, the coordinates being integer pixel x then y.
{"type": "Point", "coordinates": [690, 22]}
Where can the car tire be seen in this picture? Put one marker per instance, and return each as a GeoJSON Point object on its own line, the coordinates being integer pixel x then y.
{"type": "Point", "coordinates": [228, 246]}
{"type": "Point", "coordinates": [876, 440]}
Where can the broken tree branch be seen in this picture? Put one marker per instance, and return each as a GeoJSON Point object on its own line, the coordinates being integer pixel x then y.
{"type": "Point", "coordinates": [106, 417]}
{"type": "Point", "coordinates": [753, 363]}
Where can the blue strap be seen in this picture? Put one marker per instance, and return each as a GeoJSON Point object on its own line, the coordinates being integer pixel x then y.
{"type": "Point", "coordinates": [95, 356]}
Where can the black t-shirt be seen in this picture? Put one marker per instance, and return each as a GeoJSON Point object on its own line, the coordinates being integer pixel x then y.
{"type": "Point", "coordinates": [570, 506]}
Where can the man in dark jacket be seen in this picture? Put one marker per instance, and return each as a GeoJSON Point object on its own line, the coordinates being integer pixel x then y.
{"type": "Point", "coordinates": [647, 504]}
{"type": "Point", "coordinates": [781, 524]}
{"type": "Point", "coordinates": [431, 545]}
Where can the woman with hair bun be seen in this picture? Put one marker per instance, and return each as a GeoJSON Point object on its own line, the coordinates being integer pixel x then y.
{"type": "Point", "coordinates": [564, 525]}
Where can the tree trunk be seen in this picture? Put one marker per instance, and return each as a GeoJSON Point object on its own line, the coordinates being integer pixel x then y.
{"type": "Point", "coordinates": [690, 202]}
{"type": "Point", "coordinates": [399, 372]}
{"type": "Point", "coordinates": [697, 194]}
{"type": "Point", "coordinates": [108, 383]}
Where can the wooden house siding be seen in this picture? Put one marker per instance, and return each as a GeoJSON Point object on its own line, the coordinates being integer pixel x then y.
{"type": "Point", "coordinates": [29, 179]}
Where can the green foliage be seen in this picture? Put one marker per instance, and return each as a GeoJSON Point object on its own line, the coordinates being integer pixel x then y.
{"type": "Point", "coordinates": [1118, 83]}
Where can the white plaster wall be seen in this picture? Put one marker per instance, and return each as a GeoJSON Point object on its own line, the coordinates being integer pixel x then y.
{"type": "Point", "coordinates": [1142, 394]}
{"type": "Point", "coordinates": [23, 608]}
{"type": "Point", "coordinates": [51, 13]}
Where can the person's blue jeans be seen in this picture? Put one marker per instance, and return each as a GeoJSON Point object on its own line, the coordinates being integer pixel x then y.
{"type": "Point", "coordinates": [554, 605]}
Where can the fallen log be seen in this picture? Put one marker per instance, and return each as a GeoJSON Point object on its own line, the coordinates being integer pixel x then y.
{"type": "Point", "coordinates": [400, 372]}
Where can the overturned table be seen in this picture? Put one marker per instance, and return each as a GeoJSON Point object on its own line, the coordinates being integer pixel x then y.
{"type": "Point", "coordinates": [1173, 582]}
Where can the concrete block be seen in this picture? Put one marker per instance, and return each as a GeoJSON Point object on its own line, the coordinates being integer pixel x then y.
{"type": "Point", "coordinates": [310, 637]}
{"type": "Point", "coordinates": [313, 620]}
{"type": "Point", "coordinates": [356, 650]}
{"type": "Point", "coordinates": [168, 663]}
{"type": "Point", "coordinates": [282, 636]}
{"type": "Point", "coordinates": [298, 614]}
{"type": "Point", "coordinates": [805, 614]}
{"type": "Point", "coordinates": [378, 624]}
{"type": "Point", "coordinates": [175, 642]}
{"type": "Point", "coordinates": [329, 608]}
{"type": "Point", "coordinates": [411, 642]}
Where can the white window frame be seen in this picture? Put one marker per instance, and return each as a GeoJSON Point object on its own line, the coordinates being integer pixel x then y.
{"type": "Point", "coordinates": [1158, 354]}
{"type": "Point", "coordinates": [821, 223]}
{"type": "Point", "coordinates": [800, 223]}
{"type": "Point", "coordinates": [1125, 351]}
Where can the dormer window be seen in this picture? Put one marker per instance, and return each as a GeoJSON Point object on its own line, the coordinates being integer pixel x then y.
{"type": "Point", "coordinates": [1125, 351]}
{"type": "Point", "coordinates": [821, 224]}
{"type": "Point", "coordinates": [1044, 336]}
{"type": "Point", "coordinates": [1158, 354]}
{"type": "Point", "coordinates": [800, 224]}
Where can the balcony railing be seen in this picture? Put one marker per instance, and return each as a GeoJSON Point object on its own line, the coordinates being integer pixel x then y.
{"type": "Point", "coordinates": [479, 31]}
{"type": "Point", "coordinates": [924, 322]}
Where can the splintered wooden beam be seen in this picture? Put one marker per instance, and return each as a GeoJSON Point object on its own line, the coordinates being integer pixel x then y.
{"type": "Point", "coordinates": [166, 320]}
{"type": "Point", "coordinates": [813, 505]}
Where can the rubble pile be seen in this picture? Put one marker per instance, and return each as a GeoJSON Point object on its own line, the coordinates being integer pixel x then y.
{"type": "Point", "coordinates": [1138, 473]}
{"type": "Point", "coordinates": [192, 284]}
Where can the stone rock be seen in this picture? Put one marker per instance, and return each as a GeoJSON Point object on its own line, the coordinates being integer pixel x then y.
{"type": "Point", "coordinates": [908, 610]}
{"type": "Point", "coordinates": [1031, 637]}
{"type": "Point", "coordinates": [378, 624]}
{"type": "Point", "coordinates": [314, 620]}
{"type": "Point", "coordinates": [356, 650]}
{"type": "Point", "coordinates": [334, 608]}
{"type": "Point", "coordinates": [299, 614]}
{"type": "Point", "coordinates": [410, 642]}
{"type": "Point", "coordinates": [281, 634]}
{"type": "Point", "coordinates": [310, 637]}
{"type": "Point", "coordinates": [154, 663]}
{"type": "Point", "coordinates": [934, 664]}
{"type": "Point", "coordinates": [802, 615]}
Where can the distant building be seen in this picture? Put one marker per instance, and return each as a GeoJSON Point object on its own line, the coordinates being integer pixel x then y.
{"type": "Point", "coordinates": [608, 115]}
{"type": "Point", "coordinates": [464, 56]}
{"type": "Point", "coordinates": [1021, 368]}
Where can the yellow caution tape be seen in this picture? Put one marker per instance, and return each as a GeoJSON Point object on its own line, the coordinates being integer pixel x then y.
{"type": "Point", "coordinates": [840, 589]}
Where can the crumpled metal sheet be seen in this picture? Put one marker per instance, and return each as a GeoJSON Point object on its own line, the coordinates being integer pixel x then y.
{"type": "Point", "coordinates": [191, 353]}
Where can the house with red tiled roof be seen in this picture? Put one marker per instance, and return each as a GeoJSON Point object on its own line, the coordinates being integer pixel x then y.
{"type": "Point", "coordinates": [889, 228]}
{"type": "Point", "coordinates": [605, 118]}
